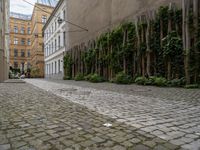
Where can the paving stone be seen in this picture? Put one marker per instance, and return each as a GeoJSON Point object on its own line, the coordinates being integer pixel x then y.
{"type": "Point", "coordinates": [118, 148]}
{"type": "Point", "coordinates": [170, 146]}
{"type": "Point", "coordinates": [149, 143]}
{"type": "Point", "coordinates": [177, 142]}
{"type": "Point", "coordinates": [141, 147]}
{"type": "Point", "coordinates": [97, 139]}
{"type": "Point", "coordinates": [68, 142]}
{"type": "Point", "coordinates": [119, 139]}
{"type": "Point", "coordinates": [195, 145]}
{"type": "Point", "coordinates": [18, 144]}
{"type": "Point", "coordinates": [193, 136]}
{"type": "Point", "coordinates": [5, 147]}
{"type": "Point", "coordinates": [87, 143]}
{"type": "Point", "coordinates": [160, 147]}
{"type": "Point", "coordinates": [135, 140]}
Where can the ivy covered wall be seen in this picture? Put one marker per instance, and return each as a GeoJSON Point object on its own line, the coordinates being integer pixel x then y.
{"type": "Point", "coordinates": [165, 42]}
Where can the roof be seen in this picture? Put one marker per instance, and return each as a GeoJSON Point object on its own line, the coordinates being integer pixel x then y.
{"type": "Point", "coordinates": [48, 2]}
{"type": "Point", "coordinates": [20, 16]}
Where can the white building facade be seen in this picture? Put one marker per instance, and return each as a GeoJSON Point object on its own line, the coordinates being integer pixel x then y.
{"type": "Point", "coordinates": [54, 42]}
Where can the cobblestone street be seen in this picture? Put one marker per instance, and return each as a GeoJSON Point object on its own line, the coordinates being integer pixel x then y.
{"type": "Point", "coordinates": [33, 119]}
{"type": "Point", "coordinates": [172, 114]}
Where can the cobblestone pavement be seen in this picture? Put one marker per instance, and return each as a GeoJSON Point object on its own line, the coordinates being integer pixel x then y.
{"type": "Point", "coordinates": [172, 114]}
{"type": "Point", "coordinates": [34, 119]}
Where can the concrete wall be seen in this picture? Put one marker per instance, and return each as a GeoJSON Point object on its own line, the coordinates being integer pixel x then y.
{"type": "Point", "coordinates": [4, 38]}
{"type": "Point", "coordinates": [99, 15]}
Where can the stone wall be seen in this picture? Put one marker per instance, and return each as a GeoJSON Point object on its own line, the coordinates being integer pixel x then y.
{"type": "Point", "coordinates": [100, 15]}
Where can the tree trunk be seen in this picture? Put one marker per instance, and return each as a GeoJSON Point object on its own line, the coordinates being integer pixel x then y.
{"type": "Point", "coordinates": [148, 48]}
{"type": "Point", "coordinates": [111, 70]}
{"type": "Point", "coordinates": [169, 60]}
{"type": "Point", "coordinates": [195, 22]}
{"type": "Point", "coordinates": [124, 59]}
{"type": "Point", "coordinates": [138, 48]}
{"type": "Point", "coordinates": [169, 69]}
{"type": "Point", "coordinates": [143, 55]}
{"type": "Point", "coordinates": [186, 38]}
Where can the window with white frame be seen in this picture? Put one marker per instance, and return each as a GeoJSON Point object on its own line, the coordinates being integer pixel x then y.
{"type": "Point", "coordinates": [29, 53]}
{"type": "Point", "coordinates": [29, 30]}
{"type": "Point", "coordinates": [22, 30]}
{"type": "Point", "coordinates": [63, 38]}
{"type": "Point", "coordinates": [55, 24]}
{"type": "Point", "coordinates": [23, 41]}
{"type": "Point", "coordinates": [15, 29]}
{"type": "Point", "coordinates": [49, 48]}
{"type": "Point", "coordinates": [29, 42]}
{"type": "Point", "coordinates": [15, 52]}
{"type": "Point", "coordinates": [52, 68]}
{"type": "Point", "coordinates": [64, 14]}
{"type": "Point", "coordinates": [44, 19]}
{"type": "Point", "coordinates": [16, 41]}
{"type": "Point", "coordinates": [59, 65]}
{"type": "Point", "coordinates": [59, 42]}
{"type": "Point", "coordinates": [22, 53]}
{"type": "Point", "coordinates": [52, 47]}
{"type": "Point", "coordinates": [55, 67]}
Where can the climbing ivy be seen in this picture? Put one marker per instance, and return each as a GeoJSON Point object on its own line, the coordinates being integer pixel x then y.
{"type": "Point", "coordinates": [130, 46]}
{"type": "Point", "coordinates": [68, 65]}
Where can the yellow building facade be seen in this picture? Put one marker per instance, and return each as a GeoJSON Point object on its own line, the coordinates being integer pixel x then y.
{"type": "Point", "coordinates": [20, 42]}
{"type": "Point", "coordinates": [26, 40]}
{"type": "Point", "coordinates": [39, 17]}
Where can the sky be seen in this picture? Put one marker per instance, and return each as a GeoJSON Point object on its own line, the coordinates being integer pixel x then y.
{"type": "Point", "coordinates": [19, 6]}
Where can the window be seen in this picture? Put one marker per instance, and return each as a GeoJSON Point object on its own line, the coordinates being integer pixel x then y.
{"type": "Point", "coordinates": [59, 65]}
{"type": "Point", "coordinates": [15, 65]}
{"type": "Point", "coordinates": [29, 53]}
{"type": "Point", "coordinates": [58, 18]}
{"type": "Point", "coordinates": [52, 28]}
{"type": "Point", "coordinates": [44, 19]}
{"type": "Point", "coordinates": [23, 41]}
{"type": "Point", "coordinates": [47, 50]}
{"type": "Point", "coordinates": [55, 44]}
{"type": "Point", "coordinates": [22, 53]}
{"type": "Point", "coordinates": [22, 30]}
{"type": "Point", "coordinates": [15, 41]}
{"type": "Point", "coordinates": [29, 42]}
{"type": "Point", "coordinates": [55, 24]}
{"type": "Point", "coordinates": [55, 67]}
{"type": "Point", "coordinates": [52, 68]}
{"type": "Point", "coordinates": [63, 14]}
{"type": "Point", "coordinates": [64, 38]}
{"type": "Point", "coordinates": [29, 30]}
{"type": "Point", "coordinates": [22, 66]}
{"type": "Point", "coordinates": [59, 42]}
{"type": "Point", "coordinates": [15, 29]}
{"type": "Point", "coordinates": [15, 52]}
{"type": "Point", "coordinates": [52, 47]}
{"type": "Point", "coordinates": [28, 65]}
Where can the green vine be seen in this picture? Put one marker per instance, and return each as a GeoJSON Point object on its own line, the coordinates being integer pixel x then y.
{"type": "Point", "coordinates": [68, 62]}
